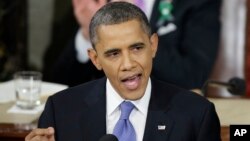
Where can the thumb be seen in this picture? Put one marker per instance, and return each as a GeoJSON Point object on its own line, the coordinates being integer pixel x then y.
{"type": "Point", "coordinates": [51, 134]}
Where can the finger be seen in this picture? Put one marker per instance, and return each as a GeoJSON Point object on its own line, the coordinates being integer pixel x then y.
{"type": "Point", "coordinates": [40, 132]}
{"type": "Point", "coordinates": [42, 138]}
{"type": "Point", "coordinates": [51, 131]}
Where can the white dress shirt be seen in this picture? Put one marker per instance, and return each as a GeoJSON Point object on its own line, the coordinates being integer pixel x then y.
{"type": "Point", "coordinates": [138, 115]}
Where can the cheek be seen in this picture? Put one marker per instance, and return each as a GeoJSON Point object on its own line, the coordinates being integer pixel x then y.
{"type": "Point", "coordinates": [146, 62]}
{"type": "Point", "coordinates": [110, 69]}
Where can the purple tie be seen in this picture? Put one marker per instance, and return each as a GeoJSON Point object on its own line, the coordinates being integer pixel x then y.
{"type": "Point", "coordinates": [124, 130]}
{"type": "Point", "coordinates": [140, 4]}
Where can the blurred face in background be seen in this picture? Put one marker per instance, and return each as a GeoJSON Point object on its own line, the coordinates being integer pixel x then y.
{"type": "Point", "coordinates": [84, 10]}
{"type": "Point", "coordinates": [125, 53]}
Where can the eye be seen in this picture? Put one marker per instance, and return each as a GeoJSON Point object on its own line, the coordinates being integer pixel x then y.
{"type": "Point", "coordinates": [112, 54]}
{"type": "Point", "coordinates": [137, 48]}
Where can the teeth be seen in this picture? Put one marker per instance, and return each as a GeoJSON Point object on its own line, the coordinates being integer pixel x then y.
{"type": "Point", "coordinates": [133, 82]}
{"type": "Point", "coordinates": [130, 78]}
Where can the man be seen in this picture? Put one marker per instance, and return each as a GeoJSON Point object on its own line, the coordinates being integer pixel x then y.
{"type": "Point", "coordinates": [124, 48]}
{"type": "Point", "coordinates": [188, 42]}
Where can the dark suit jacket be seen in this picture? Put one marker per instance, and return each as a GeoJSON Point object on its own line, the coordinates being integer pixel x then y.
{"type": "Point", "coordinates": [79, 114]}
{"type": "Point", "coordinates": [185, 56]}
{"type": "Point", "coordinates": [67, 70]}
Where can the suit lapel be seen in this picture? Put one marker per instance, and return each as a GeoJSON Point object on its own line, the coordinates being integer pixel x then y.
{"type": "Point", "coordinates": [158, 126]}
{"type": "Point", "coordinates": [159, 122]}
{"type": "Point", "coordinates": [94, 123]}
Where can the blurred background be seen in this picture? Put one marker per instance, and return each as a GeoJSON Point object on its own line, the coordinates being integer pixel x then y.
{"type": "Point", "coordinates": [33, 33]}
{"type": "Point", "coordinates": [26, 32]}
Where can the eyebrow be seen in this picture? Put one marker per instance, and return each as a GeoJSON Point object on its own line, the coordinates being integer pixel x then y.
{"type": "Point", "coordinates": [117, 50]}
{"type": "Point", "coordinates": [111, 51]}
{"type": "Point", "coordinates": [137, 44]}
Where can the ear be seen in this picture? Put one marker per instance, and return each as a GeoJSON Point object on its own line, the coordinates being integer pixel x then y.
{"type": "Point", "coordinates": [94, 58]}
{"type": "Point", "coordinates": [154, 44]}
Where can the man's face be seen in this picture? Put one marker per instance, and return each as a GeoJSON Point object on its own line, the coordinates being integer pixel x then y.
{"type": "Point", "coordinates": [125, 53]}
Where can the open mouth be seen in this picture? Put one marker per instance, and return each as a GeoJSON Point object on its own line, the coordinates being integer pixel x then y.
{"type": "Point", "coordinates": [132, 82]}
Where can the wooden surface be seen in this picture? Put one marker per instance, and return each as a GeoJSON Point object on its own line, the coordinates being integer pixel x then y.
{"type": "Point", "coordinates": [225, 133]}
{"type": "Point", "coordinates": [14, 132]}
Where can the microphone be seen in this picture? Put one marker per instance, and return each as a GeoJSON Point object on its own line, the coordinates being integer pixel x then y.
{"type": "Point", "coordinates": [235, 85]}
{"type": "Point", "coordinates": [108, 137]}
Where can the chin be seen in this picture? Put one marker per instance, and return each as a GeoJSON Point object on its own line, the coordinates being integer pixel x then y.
{"type": "Point", "coordinates": [134, 97]}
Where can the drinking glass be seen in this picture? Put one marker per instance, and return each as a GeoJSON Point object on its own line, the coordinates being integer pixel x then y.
{"type": "Point", "coordinates": [27, 89]}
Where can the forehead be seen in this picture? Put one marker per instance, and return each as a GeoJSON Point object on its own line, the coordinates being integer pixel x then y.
{"type": "Point", "coordinates": [131, 25]}
{"type": "Point", "coordinates": [120, 33]}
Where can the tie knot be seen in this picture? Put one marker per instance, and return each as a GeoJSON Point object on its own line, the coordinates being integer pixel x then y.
{"type": "Point", "coordinates": [126, 108]}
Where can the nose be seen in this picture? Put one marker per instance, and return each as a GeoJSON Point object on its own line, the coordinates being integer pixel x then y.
{"type": "Point", "coordinates": [128, 62]}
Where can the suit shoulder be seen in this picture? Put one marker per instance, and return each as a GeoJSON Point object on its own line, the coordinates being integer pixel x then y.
{"type": "Point", "coordinates": [179, 96]}
{"type": "Point", "coordinates": [80, 92]}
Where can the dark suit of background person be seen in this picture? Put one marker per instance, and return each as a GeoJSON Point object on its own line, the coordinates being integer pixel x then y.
{"type": "Point", "coordinates": [185, 56]}
{"type": "Point", "coordinates": [81, 117]}
{"type": "Point", "coordinates": [68, 70]}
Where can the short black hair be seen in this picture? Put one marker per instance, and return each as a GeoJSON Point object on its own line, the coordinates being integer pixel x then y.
{"type": "Point", "coordinates": [116, 13]}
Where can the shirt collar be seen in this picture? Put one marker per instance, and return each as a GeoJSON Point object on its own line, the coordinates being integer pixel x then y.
{"type": "Point", "coordinates": [114, 99]}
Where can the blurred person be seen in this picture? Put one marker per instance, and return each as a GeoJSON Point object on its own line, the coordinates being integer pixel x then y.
{"type": "Point", "coordinates": [60, 63]}
{"type": "Point", "coordinates": [151, 110]}
{"type": "Point", "coordinates": [188, 42]}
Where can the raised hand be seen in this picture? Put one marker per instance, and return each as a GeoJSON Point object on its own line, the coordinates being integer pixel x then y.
{"type": "Point", "coordinates": [39, 134]}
